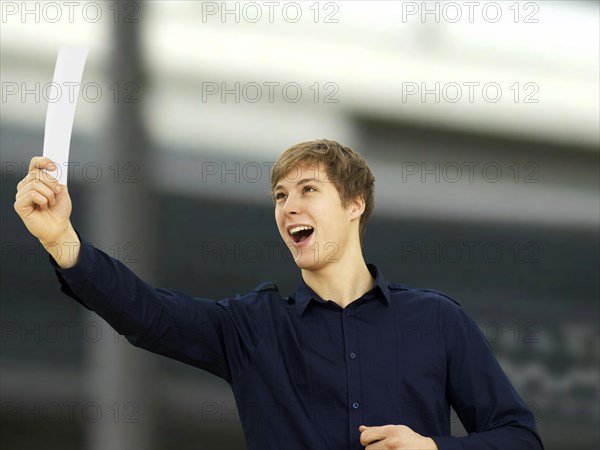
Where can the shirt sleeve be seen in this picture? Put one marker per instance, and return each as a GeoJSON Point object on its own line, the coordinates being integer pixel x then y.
{"type": "Point", "coordinates": [217, 336]}
{"type": "Point", "coordinates": [485, 401]}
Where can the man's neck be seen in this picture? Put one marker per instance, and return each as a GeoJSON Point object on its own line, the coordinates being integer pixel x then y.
{"type": "Point", "coordinates": [342, 282]}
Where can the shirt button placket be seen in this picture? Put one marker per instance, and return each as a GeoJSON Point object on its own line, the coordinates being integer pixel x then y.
{"type": "Point", "coordinates": [353, 369]}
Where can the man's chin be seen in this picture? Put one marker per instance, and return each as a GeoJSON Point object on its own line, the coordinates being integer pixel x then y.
{"type": "Point", "coordinates": [307, 262]}
{"type": "Point", "coordinates": [306, 258]}
{"type": "Point", "coordinates": [306, 265]}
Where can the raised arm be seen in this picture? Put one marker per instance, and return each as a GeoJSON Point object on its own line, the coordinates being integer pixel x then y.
{"type": "Point", "coordinates": [219, 337]}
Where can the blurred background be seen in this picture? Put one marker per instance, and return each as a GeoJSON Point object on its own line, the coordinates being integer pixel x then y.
{"type": "Point", "coordinates": [480, 121]}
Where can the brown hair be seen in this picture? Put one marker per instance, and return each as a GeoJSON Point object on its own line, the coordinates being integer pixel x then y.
{"type": "Point", "coordinates": [346, 169]}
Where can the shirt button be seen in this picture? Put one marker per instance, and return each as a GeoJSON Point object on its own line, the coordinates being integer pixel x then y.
{"type": "Point", "coordinates": [355, 405]}
{"type": "Point", "coordinates": [352, 355]}
{"type": "Point", "coordinates": [348, 313]}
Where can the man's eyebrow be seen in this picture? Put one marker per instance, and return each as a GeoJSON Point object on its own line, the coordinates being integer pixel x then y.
{"type": "Point", "coordinates": [302, 181]}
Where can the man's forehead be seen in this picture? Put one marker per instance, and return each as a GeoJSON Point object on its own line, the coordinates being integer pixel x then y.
{"type": "Point", "coordinates": [302, 171]}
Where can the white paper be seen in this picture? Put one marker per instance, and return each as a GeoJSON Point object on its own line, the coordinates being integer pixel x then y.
{"type": "Point", "coordinates": [62, 100]}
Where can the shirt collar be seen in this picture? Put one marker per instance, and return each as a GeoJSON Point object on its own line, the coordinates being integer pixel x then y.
{"type": "Point", "coordinates": [304, 294]}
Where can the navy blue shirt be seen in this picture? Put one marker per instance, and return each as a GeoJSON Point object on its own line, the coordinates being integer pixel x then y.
{"type": "Point", "coordinates": [307, 373]}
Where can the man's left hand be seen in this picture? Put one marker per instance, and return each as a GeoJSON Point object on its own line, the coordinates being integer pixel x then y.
{"type": "Point", "coordinates": [394, 437]}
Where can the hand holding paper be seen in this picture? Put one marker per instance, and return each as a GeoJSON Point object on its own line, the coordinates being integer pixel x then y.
{"type": "Point", "coordinates": [42, 200]}
{"type": "Point", "coordinates": [45, 207]}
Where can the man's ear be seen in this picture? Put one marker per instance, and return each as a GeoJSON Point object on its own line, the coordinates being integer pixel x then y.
{"type": "Point", "coordinates": [357, 206]}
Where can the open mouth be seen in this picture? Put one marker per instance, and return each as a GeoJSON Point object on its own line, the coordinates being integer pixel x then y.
{"type": "Point", "coordinates": [301, 233]}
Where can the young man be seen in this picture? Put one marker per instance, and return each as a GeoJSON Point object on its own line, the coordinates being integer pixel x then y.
{"type": "Point", "coordinates": [347, 361]}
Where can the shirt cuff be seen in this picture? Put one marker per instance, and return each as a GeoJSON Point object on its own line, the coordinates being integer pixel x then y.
{"type": "Point", "coordinates": [447, 442]}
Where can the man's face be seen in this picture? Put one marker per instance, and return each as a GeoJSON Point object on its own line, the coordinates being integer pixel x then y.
{"type": "Point", "coordinates": [310, 217]}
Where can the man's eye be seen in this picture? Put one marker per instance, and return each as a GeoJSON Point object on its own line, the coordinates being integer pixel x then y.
{"type": "Point", "coordinates": [279, 195]}
{"type": "Point", "coordinates": [309, 187]}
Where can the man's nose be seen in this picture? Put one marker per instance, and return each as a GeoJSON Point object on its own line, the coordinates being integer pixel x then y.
{"type": "Point", "coordinates": [291, 205]}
